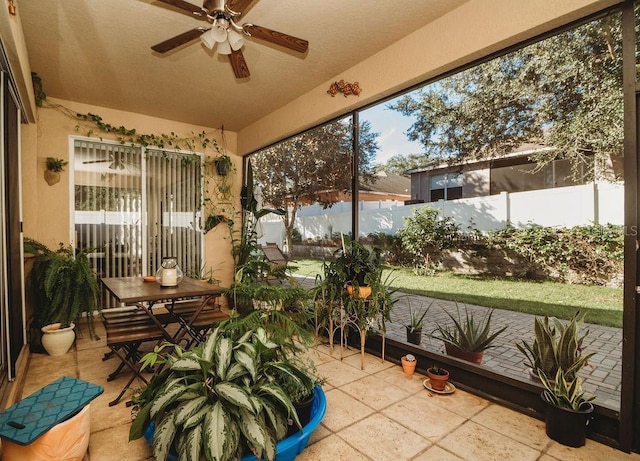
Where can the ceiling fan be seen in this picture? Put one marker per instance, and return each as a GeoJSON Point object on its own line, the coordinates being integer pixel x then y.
{"type": "Point", "coordinates": [115, 160]}
{"type": "Point", "coordinates": [226, 33]}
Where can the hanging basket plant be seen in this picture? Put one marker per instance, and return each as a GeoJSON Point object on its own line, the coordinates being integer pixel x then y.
{"type": "Point", "coordinates": [223, 165]}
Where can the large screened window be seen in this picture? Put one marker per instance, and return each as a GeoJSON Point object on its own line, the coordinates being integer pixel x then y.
{"type": "Point", "coordinates": [521, 155]}
{"type": "Point", "coordinates": [310, 176]}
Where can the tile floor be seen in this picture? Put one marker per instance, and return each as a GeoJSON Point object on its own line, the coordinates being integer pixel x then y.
{"type": "Point", "coordinates": [374, 414]}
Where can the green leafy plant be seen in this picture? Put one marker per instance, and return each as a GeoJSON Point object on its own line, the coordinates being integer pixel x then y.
{"type": "Point", "coordinates": [584, 254]}
{"type": "Point", "coordinates": [62, 285]}
{"type": "Point", "coordinates": [468, 334]}
{"type": "Point", "coordinates": [436, 370]}
{"type": "Point", "coordinates": [556, 346]}
{"type": "Point", "coordinates": [358, 264]}
{"type": "Point", "coordinates": [223, 164]}
{"type": "Point", "coordinates": [416, 318]}
{"type": "Point", "coordinates": [426, 234]}
{"type": "Point", "coordinates": [220, 400]}
{"type": "Point", "coordinates": [280, 297]}
{"type": "Point", "coordinates": [245, 250]}
{"type": "Point", "coordinates": [56, 164]}
{"type": "Point", "coordinates": [564, 392]}
{"type": "Point", "coordinates": [300, 390]}
{"type": "Point", "coordinates": [290, 330]}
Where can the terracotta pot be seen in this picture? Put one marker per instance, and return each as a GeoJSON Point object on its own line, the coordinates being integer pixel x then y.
{"type": "Point", "coordinates": [57, 341]}
{"type": "Point", "coordinates": [438, 382]}
{"type": "Point", "coordinates": [473, 357]}
{"type": "Point", "coordinates": [364, 291]}
{"type": "Point", "coordinates": [409, 368]}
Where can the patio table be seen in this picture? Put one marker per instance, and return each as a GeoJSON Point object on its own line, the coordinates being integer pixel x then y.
{"type": "Point", "coordinates": [145, 295]}
{"type": "Point", "coordinates": [128, 330]}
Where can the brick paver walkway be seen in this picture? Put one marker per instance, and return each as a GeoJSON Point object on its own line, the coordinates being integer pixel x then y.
{"type": "Point", "coordinates": [602, 376]}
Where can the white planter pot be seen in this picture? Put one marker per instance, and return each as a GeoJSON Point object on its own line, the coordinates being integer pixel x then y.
{"type": "Point", "coordinates": [56, 340]}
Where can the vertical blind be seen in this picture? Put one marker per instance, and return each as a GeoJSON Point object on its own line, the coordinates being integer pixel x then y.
{"type": "Point", "coordinates": [173, 205]}
{"type": "Point", "coordinates": [134, 206]}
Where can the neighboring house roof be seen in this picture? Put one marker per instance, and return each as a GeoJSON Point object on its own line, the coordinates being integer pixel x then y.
{"type": "Point", "coordinates": [388, 183]}
{"type": "Point", "coordinates": [524, 150]}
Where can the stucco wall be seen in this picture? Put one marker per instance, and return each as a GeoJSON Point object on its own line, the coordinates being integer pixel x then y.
{"type": "Point", "coordinates": [476, 29]}
{"type": "Point", "coordinates": [47, 215]}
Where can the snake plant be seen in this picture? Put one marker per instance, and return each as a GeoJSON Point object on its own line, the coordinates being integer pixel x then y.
{"type": "Point", "coordinates": [565, 393]}
{"type": "Point", "coordinates": [468, 334]}
{"type": "Point", "coordinates": [220, 400]}
{"type": "Point", "coordinates": [556, 346]}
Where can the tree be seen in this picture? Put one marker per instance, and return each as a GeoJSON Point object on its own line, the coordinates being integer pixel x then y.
{"type": "Point", "coordinates": [313, 167]}
{"type": "Point", "coordinates": [398, 164]}
{"type": "Point", "coordinates": [564, 92]}
{"type": "Point", "coordinates": [426, 234]}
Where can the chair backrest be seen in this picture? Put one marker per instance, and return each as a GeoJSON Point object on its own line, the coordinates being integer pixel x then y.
{"type": "Point", "coordinates": [274, 255]}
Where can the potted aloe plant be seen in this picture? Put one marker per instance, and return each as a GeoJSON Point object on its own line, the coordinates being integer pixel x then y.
{"type": "Point", "coordinates": [467, 338]}
{"type": "Point", "coordinates": [415, 324]}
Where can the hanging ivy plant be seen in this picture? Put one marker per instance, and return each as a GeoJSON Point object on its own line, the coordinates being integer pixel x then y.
{"type": "Point", "coordinates": [218, 200]}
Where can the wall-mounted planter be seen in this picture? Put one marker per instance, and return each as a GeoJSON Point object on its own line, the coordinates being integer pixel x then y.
{"type": "Point", "coordinates": [52, 177]}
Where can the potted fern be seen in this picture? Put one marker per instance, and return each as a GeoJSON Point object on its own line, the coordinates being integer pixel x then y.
{"type": "Point", "coordinates": [62, 288]}
{"type": "Point", "coordinates": [467, 338]}
{"type": "Point", "coordinates": [567, 408]}
{"type": "Point", "coordinates": [222, 399]}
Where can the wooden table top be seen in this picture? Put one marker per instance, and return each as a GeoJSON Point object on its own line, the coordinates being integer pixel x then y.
{"type": "Point", "coordinates": [130, 290]}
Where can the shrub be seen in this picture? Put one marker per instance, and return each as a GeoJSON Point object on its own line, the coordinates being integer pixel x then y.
{"type": "Point", "coordinates": [391, 246]}
{"type": "Point", "coordinates": [427, 234]}
{"type": "Point", "coordinates": [589, 254]}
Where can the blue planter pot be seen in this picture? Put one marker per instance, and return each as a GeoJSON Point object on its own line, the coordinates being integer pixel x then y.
{"type": "Point", "coordinates": [287, 449]}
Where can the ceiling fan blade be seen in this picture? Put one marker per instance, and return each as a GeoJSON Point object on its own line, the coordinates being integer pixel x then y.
{"type": "Point", "coordinates": [238, 6]}
{"type": "Point", "coordinates": [178, 40]}
{"type": "Point", "coordinates": [272, 36]}
{"type": "Point", "coordinates": [239, 65]}
{"type": "Point", "coordinates": [184, 6]}
{"type": "Point", "coordinates": [96, 161]}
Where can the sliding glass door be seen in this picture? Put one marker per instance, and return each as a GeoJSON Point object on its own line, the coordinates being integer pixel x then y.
{"type": "Point", "coordinates": [134, 206]}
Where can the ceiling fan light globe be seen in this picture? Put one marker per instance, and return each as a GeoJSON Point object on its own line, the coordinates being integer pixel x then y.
{"type": "Point", "coordinates": [207, 39]}
{"type": "Point", "coordinates": [235, 40]}
{"type": "Point", "coordinates": [219, 33]}
{"type": "Point", "coordinates": [224, 47]}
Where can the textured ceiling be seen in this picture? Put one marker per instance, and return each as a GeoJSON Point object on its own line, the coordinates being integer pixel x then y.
{"type": "Point", "coordinates": [98, 52]}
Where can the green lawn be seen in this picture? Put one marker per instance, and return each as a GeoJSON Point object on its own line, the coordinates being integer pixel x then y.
{"type": "Point", "coordinates": [602, 305]}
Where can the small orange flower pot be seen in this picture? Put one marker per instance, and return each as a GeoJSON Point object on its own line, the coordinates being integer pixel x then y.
{"type": "Point", "coordinates": [362, 292]}
{"type": "Point", "coordinates": [409, 366]}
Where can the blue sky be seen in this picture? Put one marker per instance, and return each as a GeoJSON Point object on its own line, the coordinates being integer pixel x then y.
{"type": "Point", "coordinates": [392, 126]}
